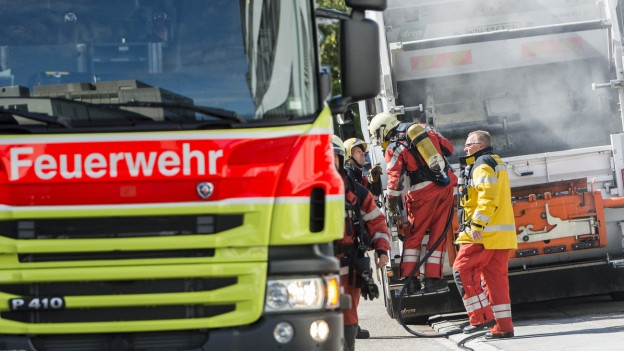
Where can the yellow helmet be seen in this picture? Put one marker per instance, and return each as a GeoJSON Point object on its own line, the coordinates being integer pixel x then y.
{"type": "Point", "coordinates": [353, 142]}
{"type": "Point", "coordinates": [338, 145]}
{"type": "Point", "coordinates": [381, 125]}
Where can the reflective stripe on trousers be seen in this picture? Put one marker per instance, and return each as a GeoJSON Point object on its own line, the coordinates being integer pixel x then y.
{"type": "Point", "coordinates": [481, 278]}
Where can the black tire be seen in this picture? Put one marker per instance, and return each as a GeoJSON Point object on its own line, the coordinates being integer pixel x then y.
{"type": "Point", "coordinates": [617, 295]}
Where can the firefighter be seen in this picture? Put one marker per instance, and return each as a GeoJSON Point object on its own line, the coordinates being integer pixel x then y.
{"type": "Point", "coordinates": [356, 150]}
{"type": "Point", "coordinates": [416, 152]}
{"type": "Point", "coordinates": [355, 162]}
{"type": "Point", "coordinates": [365, 228]}
{"type": "Point", "coordinates": [487, 232]}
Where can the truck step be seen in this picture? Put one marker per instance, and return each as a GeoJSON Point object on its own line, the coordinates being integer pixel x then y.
{"type": "Point", "coordinates": [617, 263]}
{"type": "Point", "coordinates": [422, 292]}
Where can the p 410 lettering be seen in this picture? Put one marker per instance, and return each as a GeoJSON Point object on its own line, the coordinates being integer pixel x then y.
{"type": "Point", "coordinates": [36, 303]}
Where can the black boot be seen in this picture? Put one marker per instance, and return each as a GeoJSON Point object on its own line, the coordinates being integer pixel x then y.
{"type": "Point", "coordinates": [413, 286]}
{"type": "Point", "coordinates": [475, 328]}
{"type": "Point", "coordinates": [435, 285]}
{"type": "Point", "coordinates": [362, 333]}
{"type": "Point", "coordinates": [490, 335]}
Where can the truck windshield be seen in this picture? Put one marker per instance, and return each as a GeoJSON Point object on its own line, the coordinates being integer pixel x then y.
{"type": "Point", "coordinates": [254, 59]}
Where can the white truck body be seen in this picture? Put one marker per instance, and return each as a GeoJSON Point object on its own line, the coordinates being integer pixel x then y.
{"type": "Point", "coordinates": [530, 73]}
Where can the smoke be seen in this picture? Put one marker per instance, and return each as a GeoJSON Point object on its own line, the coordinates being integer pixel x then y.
{"type": "Point", "coordinates": [533, 94]}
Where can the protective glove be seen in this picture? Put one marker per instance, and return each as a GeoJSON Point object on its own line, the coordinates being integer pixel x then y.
{"type": "Point", "coordinates": [375, 173]}
{"type": "Point", "coordinates": [392, 207]}
{"type": "Point", "coordinates": [376, 190]}
{"type": "Point", "coordinates": [369, 290]}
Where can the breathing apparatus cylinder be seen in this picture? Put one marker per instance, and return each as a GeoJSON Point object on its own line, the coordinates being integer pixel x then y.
{"type": "Point", "coordinates": [420, 140]}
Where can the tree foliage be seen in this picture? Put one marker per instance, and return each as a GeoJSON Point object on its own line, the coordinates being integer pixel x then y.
{"type": "Point", "coordinates": [330, 51]}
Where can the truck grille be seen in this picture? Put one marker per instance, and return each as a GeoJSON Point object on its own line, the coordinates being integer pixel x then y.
{"type": "Point", "coordinates": [122, 255]}
{"type": "Point", "coordinates": [118, 287]}
{"type": "Point", "coordinates": [118, 227]}
{"type": "Point", "coordinates": [112, 314]}
{"type": "Point", "coordinates": [127, 272]}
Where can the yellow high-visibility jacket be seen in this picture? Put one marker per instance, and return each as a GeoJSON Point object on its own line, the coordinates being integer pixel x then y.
{"type": "Point", "coordinates": [487, 202]}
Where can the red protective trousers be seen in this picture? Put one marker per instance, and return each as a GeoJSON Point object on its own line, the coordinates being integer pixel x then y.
{"type": "Point", "coordinates": [475, 265]}
{"type": "Point", "coordinates": [350, 316]}
{"type": "Point", "coordinates": [427, 209]}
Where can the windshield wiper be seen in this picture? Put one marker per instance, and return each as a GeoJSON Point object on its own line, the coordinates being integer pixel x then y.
{"type": "Point", "coordinates": [208, 111]}
{"type": "Point", "coordinates": [39, 117]}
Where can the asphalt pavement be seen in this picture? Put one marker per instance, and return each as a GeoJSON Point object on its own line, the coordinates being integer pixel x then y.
{"type": "Point", "coordinates": [578, 324]}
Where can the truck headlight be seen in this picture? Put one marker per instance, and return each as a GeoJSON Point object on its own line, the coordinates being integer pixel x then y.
{"type": "Point", "coordinates": [301, 294]}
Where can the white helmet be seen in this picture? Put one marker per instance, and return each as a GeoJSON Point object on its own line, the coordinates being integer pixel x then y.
{"type": "Point", "coordinates": [381, 125]}
{"type": "Point", "coordinates": [338, 146]}
{"type": "Point", "coordinates": [353, 142]}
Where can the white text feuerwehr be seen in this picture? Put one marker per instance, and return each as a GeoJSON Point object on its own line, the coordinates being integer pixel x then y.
{"type": "Point", "coordinates": [168, 163]}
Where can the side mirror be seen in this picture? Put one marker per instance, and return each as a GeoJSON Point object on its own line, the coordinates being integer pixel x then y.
{"type": "Point", "coordinates": [359, 51]}
{"type": "Point", "coordinates": [359, 58]}
{"type": "Point", "coordinates": [375, 5]}
{"type": "Point", "coordinates": [338, 104]}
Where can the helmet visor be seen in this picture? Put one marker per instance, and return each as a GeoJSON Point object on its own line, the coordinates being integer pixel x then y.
{"type": "Point", "coordinates": [380, 134]}
{"type": "Point", "coordinates": [338, 150]}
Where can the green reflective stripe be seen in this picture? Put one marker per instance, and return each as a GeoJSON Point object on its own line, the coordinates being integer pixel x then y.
{"type": "Point", "coordinates": [291, 223]}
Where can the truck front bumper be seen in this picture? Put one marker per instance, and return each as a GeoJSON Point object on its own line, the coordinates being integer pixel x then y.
{"type": "Point", "coordinates": [258, 336]}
